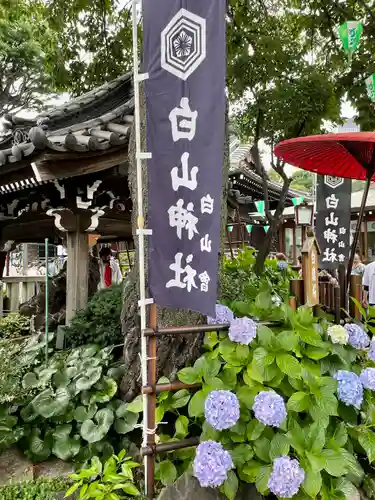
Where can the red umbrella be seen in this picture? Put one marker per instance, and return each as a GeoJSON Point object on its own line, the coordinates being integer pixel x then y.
{"type": "Point", "coordinates": [350, 155]}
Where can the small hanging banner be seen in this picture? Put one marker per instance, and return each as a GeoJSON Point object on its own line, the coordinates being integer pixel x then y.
{"type": "Point", "coordinates": [249, 227]}
{"type": "Point", "coordinates": [184, 56]}
{"type": "Point", "coordinates": [260, 206]}
{"type": "Point", "coordinates": [230, 228]}
{"type": "Point", "coordinates": [350, 34]}
{"type": "Point", "coordinates": [266, 228]}
{"type": "Point", "coordinates": [370, 87]}
{"type": "Point", "coordinates": [297, 201]}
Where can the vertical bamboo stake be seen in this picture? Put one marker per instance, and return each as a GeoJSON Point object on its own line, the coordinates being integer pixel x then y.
{"type": "Point", "coordinates": [151, 407]}
{"type": "Point", "coordinates": [46, 298]}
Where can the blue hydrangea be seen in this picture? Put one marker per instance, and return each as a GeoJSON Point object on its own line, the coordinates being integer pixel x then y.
{"type": "Point", "coordinates": [222, 409]}
{"type": "Point", "coordinates": [242, 330]}
{"type": "Point", "coordinates": [371, 351]}
{"type": "Point", "coordinates": [211, 464]}
{"type": "Point", "coordinates": [223, 315]}
{"type": "Point", "coordinates": [350, 389]}
{"type": "Point", "coordinates": [367, 378]}
{"type": "Point", "coordinates": [358, 338]}
{"type": "Point", "coordinates": [286, 477]}
{"type": "Point", "coordinates": [282, 265]}
{"type": "Point", "coordinates": [269, 408]}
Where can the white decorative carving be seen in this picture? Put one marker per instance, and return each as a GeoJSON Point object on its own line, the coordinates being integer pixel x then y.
{"type": "Point", "coordinates": [60, 189]}
{"type": "Point", "coordinates": [57, 216]}
{"type": "Point", "coordinates": [92, 189]}
{"type": "Point", "coordinates": [12, 206]}
{"type": "Point", "coordinates": [82, 204]}
{"type": "Point", "coordinates": [97, 213]}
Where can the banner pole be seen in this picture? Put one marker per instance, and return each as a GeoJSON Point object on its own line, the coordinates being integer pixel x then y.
{"type": "Point", "coordinates": [46, 299]}
{"type": "Point", "coordinates": [140, 222]}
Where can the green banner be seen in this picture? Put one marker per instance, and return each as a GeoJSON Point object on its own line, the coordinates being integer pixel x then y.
{"type": "Point", "coordinates": [350, 34]}
{"type": "Point", "coordinates": [266, 228]}
{"type": "Point", "coordinates": [249, 227]}
{"type": "Point", "coordinates": [297, 201]}
{"type": "Point", "coordinates": [230, 228]}
{"type": "Point", "coordinates": [260, 206]}
{"type": "Point", "coordinates": [370, 87]}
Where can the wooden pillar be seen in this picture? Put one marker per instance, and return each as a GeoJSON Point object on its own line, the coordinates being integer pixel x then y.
{"type": "Point", "coordinates": [77, 273]}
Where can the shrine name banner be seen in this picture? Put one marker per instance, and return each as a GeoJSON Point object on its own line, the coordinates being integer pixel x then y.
{"type": "Point", "coordinates": [333, 220]}
{"type": "Point", "coordinates": [185, 58]}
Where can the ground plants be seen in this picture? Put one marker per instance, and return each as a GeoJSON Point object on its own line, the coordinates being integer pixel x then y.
{"type": "Point", "coordinates": [296, 416]}
{"type": "Point", "coordinates": [14, 325]}
{"type": "Point", "coordinates": [41, 489]}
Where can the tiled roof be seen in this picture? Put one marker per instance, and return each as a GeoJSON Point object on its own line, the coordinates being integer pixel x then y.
{"type": "Point", "coordinates": [94, 121]}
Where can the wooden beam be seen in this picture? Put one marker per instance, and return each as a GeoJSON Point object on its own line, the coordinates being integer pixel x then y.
{"type": "Point", "coordinates": [77, 273]}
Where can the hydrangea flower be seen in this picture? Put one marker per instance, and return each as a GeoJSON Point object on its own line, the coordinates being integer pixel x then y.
{"type": "Point", "coordinates": [338, 334]}
{"type": "Point", "coordinates": [358, 338]}
{"type": "Point", "coordinates": [371, 351]}
{"type": "Point", "coordinates": [242, 330]}
{"type": "Point", "coordinates": [286, 477]}
{"type": "Point", "coordinates": [223, 315]}
{"type": "Point", "coordinates": [367, 378]}
{"type": "Point", "coordinates": [222, 409]}
{"type": "Point", "coordinates": [350, 389]}
{"type": "Point", "coordinates": [282, 265]}
{"type": "Point", "coordinates": [211, 464]}
{"type": "Point", "coordinates": [269, 408]}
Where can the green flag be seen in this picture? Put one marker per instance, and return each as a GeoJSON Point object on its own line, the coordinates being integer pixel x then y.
{"type": "Point", "coordinates": [260, 206]}
{"type": "Point", "coordinates": [266, 228]}
{"type": "Point", "coordinates": [249, 227]}
{"type": "Point", "coordinates": [370, 87]}
{"type": "Point", "coordinates": [230, 228]}
{"type": "Point", "coordinates": [297, 201]}
{"type": "Point", "coordinates": [350, 34]}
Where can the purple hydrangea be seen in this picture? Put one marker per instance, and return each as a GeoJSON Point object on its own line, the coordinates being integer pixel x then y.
{"type": "Point", "coordinates": [211, 464]}
{"type": "Point", "coordinates": [222, 409]}
{"type": "Point", "coordinates": [367, 378]}
{"type": "Point", "coordinates": [358, 338]}
{"type": "Point", "coordinates": [269, 408]}
{"type": "Point", "coordinates": [350, 389]}
{"type": "Point", "coordinates": [282, 265]}
{"type": "Point", "coordinates": [371, 351]}
{"type": "Point", "coordinates": [242, 330]}
{"type": "Point", "coordinates": [286, 477]}
{"type": "Point", "coordinates": [223, 315]}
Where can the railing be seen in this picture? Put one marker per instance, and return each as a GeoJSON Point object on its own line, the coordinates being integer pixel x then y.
{"type": "Point", "coordinates": [17, 290]}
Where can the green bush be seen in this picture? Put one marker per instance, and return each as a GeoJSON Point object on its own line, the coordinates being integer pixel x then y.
{"type": "Point", "coordinates": [41, 489]}
{"type": "Point", "coordinates": [70, 406]}
{"type": "Point", "coordinates": [14, 325]}
{"type": "Point", "coordinates": [100, 322]}
{"type": "Point", "coordinates": [331, 441]}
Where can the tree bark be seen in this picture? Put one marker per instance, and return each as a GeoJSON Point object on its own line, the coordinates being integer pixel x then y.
{"type": "Point", "coordinates": [173, 352]}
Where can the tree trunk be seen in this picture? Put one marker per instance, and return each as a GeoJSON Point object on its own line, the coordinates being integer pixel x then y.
{"type": "Point", "coordinates": [173, 352]}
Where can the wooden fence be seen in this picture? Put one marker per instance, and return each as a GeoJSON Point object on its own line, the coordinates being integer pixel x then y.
{"type": "Point", "coordinates": [16, 290]}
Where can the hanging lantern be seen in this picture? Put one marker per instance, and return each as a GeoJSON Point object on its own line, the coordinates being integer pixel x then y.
{"type": "Point", "coordinates": [260, 206]}
{"type": "Point", "coordinates": [297, 201]}
{"type": "Point", "coordinates": [230, 228]}
{"type": "Point", "coordinates": [249, 227]}
{"type": "Point", "coordinates": [370, 87]}
{"type": "Point", "coordinates": [350, 34]}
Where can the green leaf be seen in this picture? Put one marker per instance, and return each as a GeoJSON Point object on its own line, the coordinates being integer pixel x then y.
{"type": "Point", "coordinates": [262, 478]}
{"type": "Point", "coordinates": [241, 454]}
{"type": "Point", "coordinates": [229, 378]}
{"type": "Point", "coordinates": [39, 447]}
{"type": "Point", "coordinates": [262, 449]}
{"type": "Point", "coordinates": [261, 357]}
{"type": "Point", "coordinates": [264, 335]}
{"type": "Point", "coordinates": [67, 447]}
{"type": "Point", "coordinates": [288, 364]}
{"type": "Point", "coordinates": [167, 472]}
{"type": "Point", "coordinates": [287, 340]}
{"type": "Point", "coordinates": [279, 446]}
{"type": "Point", "coordinates": [82, 413]}
{"type": "Point", "coordinates": [30, 380]}
{"type": "Point", "coordinates": [298, 402]}
{"type": "Point", "coordinates": [254, 430]}
{"type": "Point", "coordinates": [91, 376]}
{"type": "Point", "coordinates": [251, 471]}
{"type": "Point", "coordinates": [189, 376]}
{"type": "Point", "coordinates": [180, 399]}
{"type": "Point", "coordinates": [230, 486]}
{"type": "Point", "coordinates": [340, 436]}
{"type": "Point", "coordinates": [136, 406]}
{"type": "Point", "coordinates": [317, 353]}
{"type": "Point", "coordinates": [210, 340]}
{"type": "Point", "coordinates": [316, 437]}
{"type": "Point", "coordinates": [334, 463]}
{"type": "Point", "coordinates": [312, 482]}
{"type": "Point", "coordinates": [107, 389]}
{"type": "Point", "coordinates": [311, 336]}
{"type": "Point", "coordinates": [196, 405]}
{"type": "Point", "coordinates": [130, 489]}
{"type": "Point", "coordinates": [366, 439]}
{"type": "Point", "coordinates": [127, 423]}
{"type": "Point", "coordinates": [182, 427]}
{"type": "Point", "coordinates": [246, 396]}
{"type": "Point", "coordinates": [49, 403]}
{"type": "Point", "coordinates": [94, 432]}
{"type": "Point", "coordinates": [210, 368]}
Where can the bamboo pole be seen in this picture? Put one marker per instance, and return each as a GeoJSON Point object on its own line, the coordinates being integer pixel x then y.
{"type": "Point", "coordinates": [151, 406]}
{"type": "Point", "coordinates": [46, 299]}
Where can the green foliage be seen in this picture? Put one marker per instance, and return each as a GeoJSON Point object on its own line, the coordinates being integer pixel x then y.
{"type": "Point", "coordinates": [114, 480]}
{"type": "Point", "coordinates": [41, 489]}
{"type": "Point", "coordinates": [69, 407]}
{"type": "Point", "coordinates": [298, 361]}
{"type": "Point", "coordinates": [14, 325]}
{"type": "Point", "coordinates": [247, 294]}
{"type": "Point", "coordinates": [99, 322]}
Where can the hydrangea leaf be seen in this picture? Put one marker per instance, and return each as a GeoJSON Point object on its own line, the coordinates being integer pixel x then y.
{"type": "Point", "coordinates": [316, 438]}
{"type": "Point", "coordinates": [210, 340]}
{"type": "Point", "coordinates": [241, 454]}
{"type": "Point", "coordinates": [288, 340]}
{"type": "Point", "coordinates": [312, 483]}
{"type": "Point", "coordinates": [196, 405]}
{"type": "Point", "coordinates": [261, 357]}
{"type": "Point", "coordinates": [136, 406]}
{"type": "Point", "coordinates": [288, 364]}
{"type": "Point", "coordinates": [229, 378]}
{"type": "Point", "coordinates": [250, 471]}
{"type": "Point", "coordinates": [334, 463]}
{"type": "Point", "coordinates": [265, 335]}
{"type": "Point", "coordinates": [299, 402]}
{"type": "Point", "coordinates": [182, 427]}
{"type": "Point", "coordinates": [189, 376]}
{"type": "Point", "coordinates": [230, 486]}
{"type": "Point", "coordinates": [317, 353]}
{"type": "Point", "coordinates": [254, 430]}
{"type": "Point", "coordinates": [262, 449]}
{"type": "Point", "coordinates": [167, 472]}
{"type": "Point", "coordinates": [367, 441]}
{"type": "Point", "coordinates": [262, 478]}
{"type": "Point", "coordinates": [279, 446]}
{"type": "Point", "coordinates": [311, 337]}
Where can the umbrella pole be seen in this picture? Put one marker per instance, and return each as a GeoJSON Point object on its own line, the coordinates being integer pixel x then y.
{"type": "Point", "coordinates": [358, 228]}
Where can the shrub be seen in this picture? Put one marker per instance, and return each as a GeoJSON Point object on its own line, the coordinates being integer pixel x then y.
{"type": "Point", "coordinates": [41, 489]}
{"type": "Point", "coordinates": [304, 413]}
{"type": "Point", "coordinates": [100, 322]}
{"type": "Point", "coordinates": [70, 406]}
{"type": "Point", "coordinates": [14, 325]}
